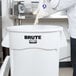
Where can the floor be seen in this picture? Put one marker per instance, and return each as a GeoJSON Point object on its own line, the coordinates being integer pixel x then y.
{"type": "Point", "coordinates": [66, 72]}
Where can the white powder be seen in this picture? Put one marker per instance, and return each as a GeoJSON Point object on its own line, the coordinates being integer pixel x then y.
{"type": "Point", "coordinates": [36, 20]}
{"type": "Point", "coordinates": [39, 12]}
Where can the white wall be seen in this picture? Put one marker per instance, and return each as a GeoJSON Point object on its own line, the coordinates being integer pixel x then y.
{"type": "Point", "coordinates": [6, 21]}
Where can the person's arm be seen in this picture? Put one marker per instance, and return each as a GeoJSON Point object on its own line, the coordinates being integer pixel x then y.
{"type": "Point", "coordinates": [62, 4]}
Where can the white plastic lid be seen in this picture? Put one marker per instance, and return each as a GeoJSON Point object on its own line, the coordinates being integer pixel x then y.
{"type": "Point", "coordinates": [34, 28]}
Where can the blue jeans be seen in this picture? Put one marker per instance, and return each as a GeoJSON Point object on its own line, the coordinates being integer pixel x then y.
{"type": "Point", "coordinates": [73, 55]}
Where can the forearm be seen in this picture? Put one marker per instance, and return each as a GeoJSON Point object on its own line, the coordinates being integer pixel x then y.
{"type": "Point", "coordinates": [62, 4]}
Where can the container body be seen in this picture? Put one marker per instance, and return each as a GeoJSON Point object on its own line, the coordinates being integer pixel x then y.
{"type": "Point", "coordinates": [34, 52]}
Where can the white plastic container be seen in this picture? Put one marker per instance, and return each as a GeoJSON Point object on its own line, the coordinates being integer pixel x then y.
{"type": "Point", "coordinates": [34, 50]}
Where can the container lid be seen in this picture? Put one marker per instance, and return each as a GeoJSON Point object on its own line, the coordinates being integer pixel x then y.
{"type": "Point", "coordinates": [34, 28]}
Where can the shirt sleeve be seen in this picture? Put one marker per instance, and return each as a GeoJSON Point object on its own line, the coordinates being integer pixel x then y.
{"type": "Point", "coordinates": [54, 3]}
{"type": "Point", "coordinates": [62, 4]}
